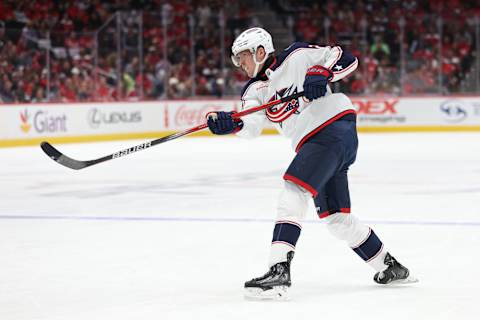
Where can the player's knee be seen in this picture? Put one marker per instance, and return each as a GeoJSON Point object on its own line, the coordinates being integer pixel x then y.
{"type": "Point", "coordinates": [339, 225]}
{"type": "Point", "coordinates": [292, 202]}
{"type": "Point", "coordinates": [346, 227]}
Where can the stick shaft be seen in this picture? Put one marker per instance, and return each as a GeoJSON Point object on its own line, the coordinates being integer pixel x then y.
{"type": "Point", "coordinates": [78, 164]}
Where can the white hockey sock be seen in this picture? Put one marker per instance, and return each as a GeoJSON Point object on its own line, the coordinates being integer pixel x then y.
{"type": "Point", "coordinates": [377, 262]}
{"type": "Point", "coordinates": [278, 253]}
{"type": "Point", "coordinates": [292, 206]}
{"type": "Point", "coordinates": [359, 237]}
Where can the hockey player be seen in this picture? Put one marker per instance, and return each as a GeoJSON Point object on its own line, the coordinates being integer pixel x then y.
{"type": "Point", "coordinates": [322, 129]}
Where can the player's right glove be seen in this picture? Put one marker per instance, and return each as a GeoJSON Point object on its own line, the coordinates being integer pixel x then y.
{"type": "Point", "coordinates": [316, 80]}
{"type": "Point", "coordinates": [223, 123]}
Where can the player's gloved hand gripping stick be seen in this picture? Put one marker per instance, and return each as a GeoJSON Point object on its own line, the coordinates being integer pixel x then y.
{"type": "Point", "coordinates": [78, 164]}
{"type": "Point", "coordinates": [316, 80]}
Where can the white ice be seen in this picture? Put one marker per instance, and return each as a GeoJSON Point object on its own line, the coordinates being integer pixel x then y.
{"type": "Point", "coordinates": [173, 232]}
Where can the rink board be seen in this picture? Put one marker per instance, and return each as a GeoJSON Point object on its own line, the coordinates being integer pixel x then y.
{"type": "Point", "coordinates": [29, 124]}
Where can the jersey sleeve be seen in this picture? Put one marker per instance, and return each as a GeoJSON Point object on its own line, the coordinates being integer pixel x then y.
{"type": "Point", "coordinates": [252, 123]}
{"type": "Point", "coordinates": [339, 61]}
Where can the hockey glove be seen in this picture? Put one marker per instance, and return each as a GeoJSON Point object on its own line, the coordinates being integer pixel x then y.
{"type": "Point", "coordinates": [316, 80]}
{"type": "Point", "coordinates": [223, 123]}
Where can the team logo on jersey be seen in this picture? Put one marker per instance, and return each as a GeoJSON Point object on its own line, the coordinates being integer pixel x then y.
{"type": "Point", "coordinates": [280, 113]}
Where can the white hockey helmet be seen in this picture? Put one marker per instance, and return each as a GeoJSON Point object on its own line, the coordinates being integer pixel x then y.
{"type": "Point", "coordinates": [251, 39]}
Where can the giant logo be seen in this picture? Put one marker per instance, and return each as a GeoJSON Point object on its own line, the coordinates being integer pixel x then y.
{"type": "Point", "coordinates": [96, 117]}
{"type": "Point", "coordinates": [24, 118]}
{"type": "Point", "coordinates": [453, 111]}
{"type": "Point", "coordinates": [43, 122]}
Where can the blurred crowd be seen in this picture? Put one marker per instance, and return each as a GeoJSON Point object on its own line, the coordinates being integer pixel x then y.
{"type": "Point", "coordinates": [66, 51]}
{"type": "Point", "coordinates": [93, 50]}
{"type": "Point", "coordinates": [404, 47]}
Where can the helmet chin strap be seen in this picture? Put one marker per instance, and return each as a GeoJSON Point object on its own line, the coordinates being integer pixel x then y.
{"type": "Point", "coordinates": [257, 63]}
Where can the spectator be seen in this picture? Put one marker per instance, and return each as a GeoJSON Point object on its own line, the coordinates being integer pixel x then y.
{"type": "Point", "coordinates": [380, 49]}
{"type": "Point", "coordinates": [65, 29]}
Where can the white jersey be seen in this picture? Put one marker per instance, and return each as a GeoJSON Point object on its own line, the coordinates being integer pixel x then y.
{"type": "Point", "coordinates": [283, 75]}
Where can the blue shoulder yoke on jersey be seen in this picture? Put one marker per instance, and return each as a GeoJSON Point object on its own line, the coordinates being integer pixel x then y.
{"type": "Point", "coordinates": [286, 52]}
{"type": "Point", "coordinates": [344, 61]}
{"type": "Point", "coordinates": [272, 63]}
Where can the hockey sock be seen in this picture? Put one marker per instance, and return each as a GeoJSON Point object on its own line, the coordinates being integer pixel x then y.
{"type": "Point", "coordinates": [359, 237]}
{"type": "Point", "coordinates": [371, 251]}
{"type": "Point", "coordinates": [292, 206]}
{"type": "Point", "coordinates": [285, 236]}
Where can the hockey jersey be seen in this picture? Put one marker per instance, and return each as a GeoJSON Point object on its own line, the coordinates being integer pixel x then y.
{"type": "Point", "coordinates": [283, 75]}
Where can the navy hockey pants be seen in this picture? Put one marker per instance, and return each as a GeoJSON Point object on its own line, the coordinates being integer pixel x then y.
{"type": "Point", "coordinates": [322, 163]}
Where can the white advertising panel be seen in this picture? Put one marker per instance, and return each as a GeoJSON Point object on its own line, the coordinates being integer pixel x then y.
{"type": "Point", "coordinates": [30, 123]}
{"type": "Point", "coordinates": [54, 120]}
{"type": "Point", "coordinates": [428, 112]}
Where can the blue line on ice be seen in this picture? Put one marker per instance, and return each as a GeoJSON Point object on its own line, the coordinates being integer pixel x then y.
{"type": "Point", "coordinates": [231, 220]}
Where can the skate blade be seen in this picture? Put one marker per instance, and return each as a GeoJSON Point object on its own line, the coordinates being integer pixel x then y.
{"type": "Point", "coordinates": [409, 279]}
{"type": "Point", "coordinates": [277, 294]}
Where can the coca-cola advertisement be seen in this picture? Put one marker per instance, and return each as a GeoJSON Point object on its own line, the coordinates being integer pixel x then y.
{"type": "Point", "coordinates": [190, 114]}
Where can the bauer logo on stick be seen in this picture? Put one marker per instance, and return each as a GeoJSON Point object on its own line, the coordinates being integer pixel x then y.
{"type": "Point", "coordinates": [131, 150]}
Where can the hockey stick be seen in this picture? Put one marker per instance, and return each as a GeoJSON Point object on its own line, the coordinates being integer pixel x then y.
{"type": "Point", "coordinates": [78, 164]}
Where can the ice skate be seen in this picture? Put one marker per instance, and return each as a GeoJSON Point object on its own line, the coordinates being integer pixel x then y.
{"type": "Point", "coordinates": [395, 273]}
{"type": "Point", "coordinates": [273, 285]}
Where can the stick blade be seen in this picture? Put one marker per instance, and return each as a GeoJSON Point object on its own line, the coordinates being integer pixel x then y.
{"type": "Point", "coordinates": [60, 158]}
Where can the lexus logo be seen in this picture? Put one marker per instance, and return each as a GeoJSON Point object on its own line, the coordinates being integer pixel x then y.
{"type": "Point", "coordinates": [97, 117]}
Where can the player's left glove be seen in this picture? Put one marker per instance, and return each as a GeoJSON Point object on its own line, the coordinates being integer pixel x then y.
{"type": "Point", "coordinates": [223, 123]}
{"type": "Point", "coordinates": [316, 80]}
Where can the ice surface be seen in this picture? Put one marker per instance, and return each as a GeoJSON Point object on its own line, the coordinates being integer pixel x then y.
{"type": "Point", "coordinates": [173, 232]}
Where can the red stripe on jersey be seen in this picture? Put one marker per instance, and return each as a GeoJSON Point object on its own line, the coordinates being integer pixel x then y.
{"type": "Point", "coordinates": [283, 117]}
{"type": "Point", "coordinates": [280, 115]}
{"type": "Point", "coordinates": [272, 113]}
